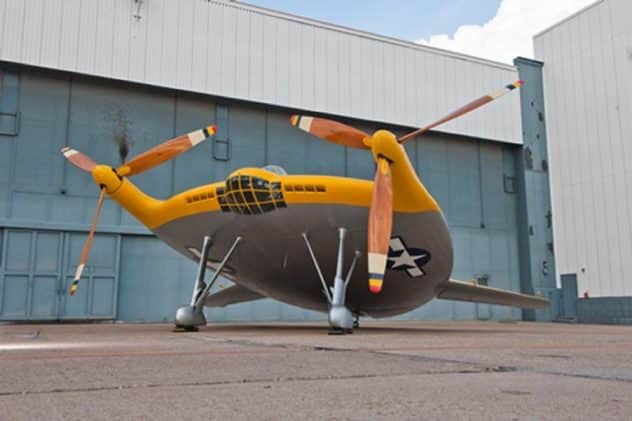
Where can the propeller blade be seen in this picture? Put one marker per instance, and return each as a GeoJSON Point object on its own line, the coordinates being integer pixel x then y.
{"type": "Point", "coordinates": [330, 130]}
{"type": "Point", "coordinates": [164, 152]}
{"type": "Point", "coordinates": [79, 160]}
{"type": "Point", "coordinates": [463, 110]}
{"type": "Point", "coordinates": [86, 248]}
{"type": "Point", "coordinates": [380, 224]}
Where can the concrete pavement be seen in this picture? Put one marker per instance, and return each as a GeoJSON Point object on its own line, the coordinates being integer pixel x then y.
{"type": "Point", "coordinates": [385, 370]}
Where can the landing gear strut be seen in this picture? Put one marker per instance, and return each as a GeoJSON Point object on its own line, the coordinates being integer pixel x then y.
{"type": "Point", "coordinates": [341, 320]}
{"type": "Point", "coordinates": [188, 318]}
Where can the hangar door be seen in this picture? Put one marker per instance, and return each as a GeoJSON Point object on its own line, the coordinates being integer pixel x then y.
{"type": "Point", "coordinates": [37, 268]}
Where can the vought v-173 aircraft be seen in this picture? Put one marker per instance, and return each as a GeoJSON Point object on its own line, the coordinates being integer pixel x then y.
{"type": "Point", "coordinates": [291, 237]}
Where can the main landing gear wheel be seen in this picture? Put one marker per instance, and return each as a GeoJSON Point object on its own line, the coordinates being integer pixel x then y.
{"type": "Point", "coordinates": [179, 329]}
{"type": "Point", "coordinates": [337, 331]}
{"type": "Point", "coordinates": [189, 318]}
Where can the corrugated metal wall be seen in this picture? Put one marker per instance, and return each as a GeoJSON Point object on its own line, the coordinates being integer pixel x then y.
{"type": "Point", "coordinates": [587, 68]}
{"type": "Point", "coordinates": [39, 191]}
{"type": "Point", "coordinates": [239, 51]}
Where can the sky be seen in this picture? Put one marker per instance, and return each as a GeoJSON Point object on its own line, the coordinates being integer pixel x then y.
{"type": "Point", "coordinates": [494, 29]}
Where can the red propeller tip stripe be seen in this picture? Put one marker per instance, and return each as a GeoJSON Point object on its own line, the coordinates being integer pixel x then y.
{"type": "Point", "coordinates": [375, 285]}
{"type": "Point", "coordinates": [211, 130]}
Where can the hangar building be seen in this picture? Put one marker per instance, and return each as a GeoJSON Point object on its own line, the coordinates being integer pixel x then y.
{"type": "Point", "coordinates": [87, 72]}
{"type": "Point", "coordinates": [587, 66]}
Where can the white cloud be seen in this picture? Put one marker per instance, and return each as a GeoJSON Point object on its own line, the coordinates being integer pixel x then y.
{"type": "Point", "coordinates": [508, 34]}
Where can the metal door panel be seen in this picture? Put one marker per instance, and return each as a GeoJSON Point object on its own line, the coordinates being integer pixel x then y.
{"type": "Point", "coordinates": [103, 259]}
{"type": "Point", "coordinates": [18, 251]}
{"type": "Point", "coordinates": [14, 297]}
{"type": "Point", "coordinates": [47, 250]}
{"type": "Point", "coordinates": [37, 270]}
{"type": "Point", "coordinates": [569, 295]}
{"type": "Point", "coordinates": [44, 297]}
{"type": "Point", "coordinates": [73, 244]}
{"type": "Point", "coordinates": [76, 306]}
{"type": "Point", "coordinates": [15, 285]}
{"type": "Point", "coordinates": [96, 297]}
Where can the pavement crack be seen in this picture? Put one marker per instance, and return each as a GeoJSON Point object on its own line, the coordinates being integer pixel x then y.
{"type": "Point", "coordinates": [233, 382]}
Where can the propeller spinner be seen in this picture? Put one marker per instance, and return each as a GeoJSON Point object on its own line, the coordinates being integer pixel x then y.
{"type": "Point", "coordinates": [143, 162]}
{"type": "Point", "coordinates": [380, 222]}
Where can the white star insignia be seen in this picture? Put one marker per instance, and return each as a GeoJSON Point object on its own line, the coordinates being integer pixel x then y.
{"type": "Point", "coordinates": [409, 261]}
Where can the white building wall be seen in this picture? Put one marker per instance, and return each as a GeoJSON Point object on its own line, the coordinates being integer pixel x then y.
{"type": "Point", "coordinates": [587, 69]}
{"type": "Point", "coordinates": [239, 51]}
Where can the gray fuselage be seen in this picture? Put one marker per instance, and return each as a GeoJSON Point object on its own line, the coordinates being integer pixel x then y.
{"type": "Point", "coordinates": [273, 260]}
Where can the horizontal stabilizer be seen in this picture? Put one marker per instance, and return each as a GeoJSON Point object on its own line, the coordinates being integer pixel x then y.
{"type": "Point", "coordinates": [471, 291]}
{"type": "Point", "coordinates": [231, 295]}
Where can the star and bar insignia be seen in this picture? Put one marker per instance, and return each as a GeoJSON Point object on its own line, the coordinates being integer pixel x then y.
{"type": "Point", "coordinates": [402, 257]}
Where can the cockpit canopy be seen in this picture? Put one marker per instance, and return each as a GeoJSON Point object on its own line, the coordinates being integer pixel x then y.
{"type": "Point", "coordinates": [251, 192]}
{"type": "Point", "coordinates": [276, 169]}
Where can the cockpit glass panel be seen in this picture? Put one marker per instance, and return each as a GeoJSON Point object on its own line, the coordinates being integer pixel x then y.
{"type": "Point", "coordinates": [267, 207]}
{"type": "Point", "coordinates": [234, 183]}
{"type": "Point", "coordinates": [244, 180]}
{"type": "Point", "coordinates": [260, 183]}
{"type": "Point", "coordinates": [248, 196]}
{"type": "Point", "coordinates": [263, 196]}
{"type": "Point", "coordinates": [239, 198]}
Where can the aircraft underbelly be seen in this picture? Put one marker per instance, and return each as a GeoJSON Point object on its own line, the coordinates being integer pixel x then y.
{"type": "Point", "coordinates": [273, 260]}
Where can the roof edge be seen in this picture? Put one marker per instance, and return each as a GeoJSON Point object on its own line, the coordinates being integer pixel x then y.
{"type": "Point", "coordinates": [567, 18]}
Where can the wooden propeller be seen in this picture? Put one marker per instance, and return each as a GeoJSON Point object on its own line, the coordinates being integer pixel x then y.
{"type": "Point", "coordinates": [164, 152]}
{"type": "Point", "coordinates": [79, 160]}
{"type": "Point", "coordinates": [470, 106]}
{"type": "Point", "coordinates": [330, 130]}
{"type": "Point", "coordinates": [380, 224]}
{"type": "Point", "coordinates": [143, 162]}
{"type": "Point", "coordinates": [88, 245]}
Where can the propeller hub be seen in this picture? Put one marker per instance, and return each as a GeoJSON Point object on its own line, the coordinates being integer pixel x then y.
{"type": "Point", "coordinates": [106, 176]}
{"type": "Point", "coordinates": [384, 145]}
